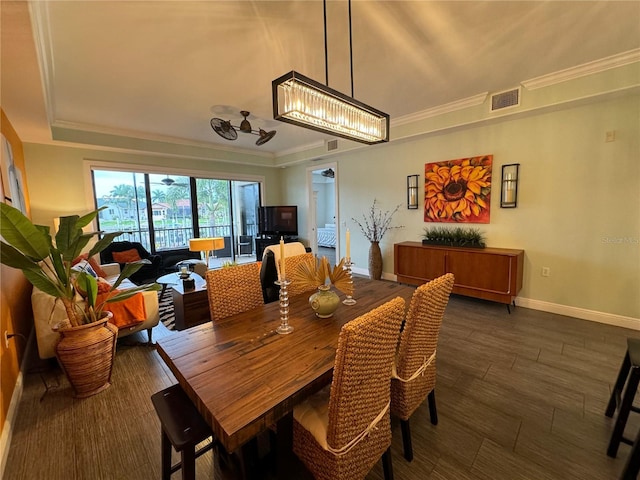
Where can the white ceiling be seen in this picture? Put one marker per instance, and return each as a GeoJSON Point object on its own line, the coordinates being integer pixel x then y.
{"type": "Point", "coordinates": [162, 69]}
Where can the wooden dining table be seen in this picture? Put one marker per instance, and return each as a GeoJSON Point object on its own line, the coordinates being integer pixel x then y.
{"type": "Point", "coordinates": [244, 377]}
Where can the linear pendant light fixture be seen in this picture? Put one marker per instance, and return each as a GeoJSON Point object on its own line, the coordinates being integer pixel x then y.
{"type": "Point", "coordinates": [304, 102]}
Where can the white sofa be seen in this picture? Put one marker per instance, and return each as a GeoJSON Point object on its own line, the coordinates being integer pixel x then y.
{"type": "Point", "coordinates": [45, 315]}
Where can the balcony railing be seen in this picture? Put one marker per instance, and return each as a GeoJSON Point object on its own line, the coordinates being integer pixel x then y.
{"type": "Point", "coordinates": [178, 237]}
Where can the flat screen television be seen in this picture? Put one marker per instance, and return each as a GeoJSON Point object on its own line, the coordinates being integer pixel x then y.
{"type": "Point", "coordinates": [280, 220]}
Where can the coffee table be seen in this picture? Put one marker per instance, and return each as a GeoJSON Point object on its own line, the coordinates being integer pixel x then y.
{"type": "Point", "coordinates": [191, 306]}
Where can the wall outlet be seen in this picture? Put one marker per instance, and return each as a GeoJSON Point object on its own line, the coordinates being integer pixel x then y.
{"type": "Point", "coordinates": [546, 272]}
{"type": "Point", "coordinates": [610, 136]}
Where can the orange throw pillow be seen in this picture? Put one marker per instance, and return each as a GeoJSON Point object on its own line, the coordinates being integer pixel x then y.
{"type": "Point", "coordinates": [127, 256]}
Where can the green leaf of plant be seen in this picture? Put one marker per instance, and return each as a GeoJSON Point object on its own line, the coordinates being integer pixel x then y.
{"type": "Point", "coordinates": [13, 258]}
{"type": "Point", "coordinates": [44, 283]}
{"type": "Point", "coordinates": [17, 230]}
{"type": "Point", "coordinates": [88, 285]}
{"type": "Point", "coordinates": [128, 270]}
{"type": "Point", "coordinates": [68, 232]}
{"type": "Point", "coordinates": [103, 242]}
{"type": "Point", "coordinates": [124, 294]}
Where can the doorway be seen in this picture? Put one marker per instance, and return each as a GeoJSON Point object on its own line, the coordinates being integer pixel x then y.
{"type": "Point", "coordinates": [324, 225]}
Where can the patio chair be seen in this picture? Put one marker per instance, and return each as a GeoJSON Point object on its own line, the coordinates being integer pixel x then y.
{"type": "Point", "coordinates": [414, 367]}
{"type": "Point", "coordinates": [341, 433]}
{"type": "Point", "coordinates": [245, 245]}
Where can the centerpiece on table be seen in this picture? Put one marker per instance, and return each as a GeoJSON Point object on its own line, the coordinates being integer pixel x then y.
{"type": "Point", "coordinates": [374, 225]}
{"type": "Point", "coordinates": [86, 347]}
{"type": "Point", "coordinates": [314, 273]}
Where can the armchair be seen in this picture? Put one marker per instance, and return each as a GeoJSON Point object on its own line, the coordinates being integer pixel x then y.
{"type": "Point", "coordinates": [147, 274]}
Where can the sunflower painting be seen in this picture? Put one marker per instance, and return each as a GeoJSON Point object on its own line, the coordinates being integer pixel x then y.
{"type": "Point", "coordinates": [458, 191]}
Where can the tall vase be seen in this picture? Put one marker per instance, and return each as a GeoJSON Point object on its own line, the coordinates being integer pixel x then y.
{"type": "Point", "coordinates": [375, 261]}
{"type": "Point", "coordinates": [86, 354]}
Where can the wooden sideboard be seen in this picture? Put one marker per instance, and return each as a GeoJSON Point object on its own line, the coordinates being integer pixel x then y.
{"type": "Point", "coordinates": [489, 273]}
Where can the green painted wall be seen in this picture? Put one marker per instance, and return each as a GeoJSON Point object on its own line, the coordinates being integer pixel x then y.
{"type": "Point", "coordinates": [60, 183]}
{"type": "Point", "coordinates": [578, 207]}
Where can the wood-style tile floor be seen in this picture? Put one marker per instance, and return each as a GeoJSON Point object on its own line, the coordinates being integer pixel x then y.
{"type": "Point", "coordinates": [519, 396]}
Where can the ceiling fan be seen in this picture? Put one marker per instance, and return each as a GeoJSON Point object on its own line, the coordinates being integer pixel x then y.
{"type": "Point", "coordinates": [170, 182]}
{"type": "Point", "coordinates": [228, 131]}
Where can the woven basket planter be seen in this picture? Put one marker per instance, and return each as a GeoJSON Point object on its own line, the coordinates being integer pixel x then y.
{"type": "Point", "coordinates": [85, 354]}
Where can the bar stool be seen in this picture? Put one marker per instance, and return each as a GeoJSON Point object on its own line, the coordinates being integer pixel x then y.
{"type": "Point", "coordinates": [183, 428]}
{"type": "Point", "coordinates": [632, 467]}
{"type": "Point", "coordinates": [630, 375]}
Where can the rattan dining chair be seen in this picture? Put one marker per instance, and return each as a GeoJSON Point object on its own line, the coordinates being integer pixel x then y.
{"type": "Point", "coordinates": [341, 432]}
{"type": "Point", "coordinates": [291, 265]}
{"type": "Point", "coordinates": [414, 367]}
{"type": "Point", "coordinates": [233, 290]}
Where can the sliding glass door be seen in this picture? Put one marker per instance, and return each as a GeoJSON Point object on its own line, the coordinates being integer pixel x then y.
{"type": "Point", "coordinates": [164, 211]}
{"type": "Point", "coordinates": [171, 211]}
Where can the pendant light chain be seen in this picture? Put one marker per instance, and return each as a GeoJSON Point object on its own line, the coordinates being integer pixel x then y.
{"type": "Point", "coordinates": [351, 50]}
{"type": "Point", "coordinates": [326, 61]}
{"type": "Point", "coordinates": [326, 56]}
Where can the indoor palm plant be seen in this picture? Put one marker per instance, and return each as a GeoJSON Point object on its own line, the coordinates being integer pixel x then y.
{"type": "Point", "coordinates": [48, 266]}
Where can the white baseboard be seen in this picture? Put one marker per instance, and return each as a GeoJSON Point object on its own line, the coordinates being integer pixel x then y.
{"type": "Point", "coordinates": [581, 313]}
{"type": "Point", "coordinates": [7, 428]}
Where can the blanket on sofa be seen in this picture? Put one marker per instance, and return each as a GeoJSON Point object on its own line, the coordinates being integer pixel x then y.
{"type": "Point", "coordinates": [127, 313]}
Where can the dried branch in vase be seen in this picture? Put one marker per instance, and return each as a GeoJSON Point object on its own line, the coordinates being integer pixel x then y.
{"type": "Point", "coordinates": [376, 223]}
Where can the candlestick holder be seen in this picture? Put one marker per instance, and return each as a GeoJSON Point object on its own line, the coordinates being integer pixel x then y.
{"type": "Point", "coordinates": [284, 327]}
{"type": "Point", "coordinates": [347, 266]}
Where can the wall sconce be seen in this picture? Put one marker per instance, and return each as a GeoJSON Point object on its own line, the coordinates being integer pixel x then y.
{"type": "Point", "coordinates": [412, 192]}
{"type": "Point", "coordinates": [509, 187]}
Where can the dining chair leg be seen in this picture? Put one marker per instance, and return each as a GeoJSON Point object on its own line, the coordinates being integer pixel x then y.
{"type": "Point", "coordinates": [406, 440]}
{"type": "Point", "coordinates": [387, 465]}
{"type": "Point", "coordinates": [432, 407]}
{"type": "Point", "coordinates": [632, 466]}
{"type": "Point", "coordinates": [616, 393]}
{"type": "Point", "coordinates": [623, 414]}
{"type": "Point", "coordinates": [165, 448]}
{"type": "Point", "coordinates": [188, 456]}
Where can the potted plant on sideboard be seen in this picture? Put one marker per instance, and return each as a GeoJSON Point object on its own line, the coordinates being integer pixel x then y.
{"type": "Point", "coordinates": [86, 347]}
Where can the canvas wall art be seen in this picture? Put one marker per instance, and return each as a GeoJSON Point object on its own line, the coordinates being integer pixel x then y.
{"type": "Point", "coordinates": [458, 191]}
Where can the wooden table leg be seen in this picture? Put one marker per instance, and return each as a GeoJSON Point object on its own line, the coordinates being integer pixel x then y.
{"type": "Point", "coordinates": [284, 448]}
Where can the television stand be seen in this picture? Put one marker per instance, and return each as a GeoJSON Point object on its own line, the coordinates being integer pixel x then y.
{"type": "Point", "coordinates": [263, 241]}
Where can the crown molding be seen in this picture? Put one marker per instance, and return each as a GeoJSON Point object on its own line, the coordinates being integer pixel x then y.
{"type": "Point", "coordinates": [589, 68]}
{"type": "Point", "coordinates": [39, 13]}
{"type": "Point", "coordinates": [441, 109]}
{"type": "Point", "coordinates": [302, 148]}
{"type": "Point", "coordinates": [145, 136]}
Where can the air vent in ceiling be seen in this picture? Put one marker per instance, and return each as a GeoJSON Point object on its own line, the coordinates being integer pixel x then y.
{"type": "Point", "coordinates": [506, 99]}
{"type": "Point", "coordinates": [332, 145]}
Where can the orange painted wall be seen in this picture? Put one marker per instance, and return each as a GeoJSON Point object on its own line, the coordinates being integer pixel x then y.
{"type": "Point", "coordinates": [15, 297]}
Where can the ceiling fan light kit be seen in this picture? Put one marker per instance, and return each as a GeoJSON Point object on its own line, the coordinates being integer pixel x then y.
{"type": "Point", "coordinates": [309, 104]}
{"type": "Point", "coordinates": [299, 100]}
{"type": "Point", "coordinates": [228, 131]}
